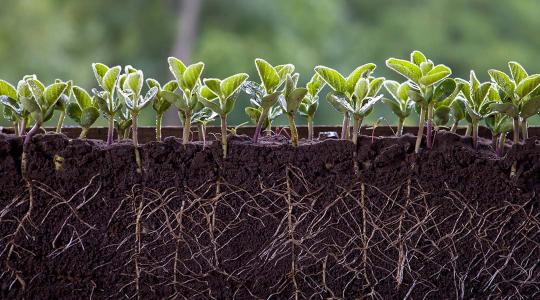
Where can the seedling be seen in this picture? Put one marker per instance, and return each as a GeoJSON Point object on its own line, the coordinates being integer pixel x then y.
{"type": "Point", "coordinates": [84, 110]}
{"type": "Point", "coordinates": [188, 81]}
{"type": "Point", "coordinates": [400, 103]}
{"type": "Point", "coordinates": [130, 91]}
{"type": "Point", "coordinates": [520, 96]}
{"type": "Point", "coordinates": [13, 109]}
{"type": "Point", "coordinates": [255, 111]}
{"type": "Point", "coordinates": [290, 102]}
{"type": "Point", "coordinates": [427, 87]}
{"type": "Point", "coordinates": [310, 103]}
{"type": "Point", "coordinates": [220, 96]}
{"type": "Point", "coordinates": [160, 104]}
{"type": "Point", "coordinates": [271, 78]}
{"type": "Point", "coordinates": [499, 125]}
{"type": "Point", "coordinates": [62, 104]}
{"type": "Point", "coordinates": [201, 118]}
{"type": "Point", "coordinates": [364, 98]}
{"type": "Point", "coordinates": [343, 88]}
{"type": "Point", "coordinates": [108, 104]}
{"type": "Point", "coordinates": [478, 98]}
{"type": "Point", "coordinates": [457, 111]}
{"type": "Point", "coordinates": [122, 124]}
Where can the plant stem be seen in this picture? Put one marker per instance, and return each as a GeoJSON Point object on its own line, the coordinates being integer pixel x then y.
{"type": "Point", "coordinates": [475, 134]}
{"type": "Point", "coordinates": [429, 132]}
{"type": "Point", "coordinates": [345, 126]}
{"type": "Point", "coordinates": [310, 127]}
{"type": "Point", "coordinates": [494, 139]}
{"type": "Point", "coordinates": [202, 134]}
{"type": "Point", "coordinates": [420, 130]}
{"type": "Point", "coordinates": [26, 143]}
{"type": "Point", "coordinates": [516, 130]}
{"type": "Point", "coordinates": [469, 130]}
{"type": "Point", "coordinates": [262, 117]}
{"type": "Point", "coordinates": [126, 133]}
{"type": "Point", "coordinates": [16, 129]}
{"type": "Point", "coordinates": [22, 131]}
{"type": "Point", "coordinates": [60, 122]}
{"type": "Point", "coordinates": [399, 130]}
{"type": "Point", "coordinates": [357, 122]}
{"type": "Point", "coordinates": [454, 127]}
{"type": "Point", "coordinates": [502, 142]}
{"type": "Point", "coordinates": [224, 134]}
{"type": "Point", "coordinates": [84, 131]}
{"type": "Point", "coordinates": [292, 128]}
{"type": "Point", "coordinates": [110, 131]}
{"type": "Point", "coordinates": [187, 127]}
{"type": "Point", "coordinates": [134, 130]}
{"type": "Point", "coordinates": [159, 117]}
{"type": "Point", "coordinates": [524, 129]}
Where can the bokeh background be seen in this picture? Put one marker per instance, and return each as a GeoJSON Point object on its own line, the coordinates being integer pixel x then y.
{"type": "Point", "coordinates": [61, 38]}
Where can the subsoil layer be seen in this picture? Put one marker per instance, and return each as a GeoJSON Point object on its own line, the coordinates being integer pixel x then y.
{"type": "Point", "coordinates": [324, 220]}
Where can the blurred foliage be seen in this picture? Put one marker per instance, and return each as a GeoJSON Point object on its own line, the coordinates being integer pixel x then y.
{"type": "Point", "coordinates": [61, 38]}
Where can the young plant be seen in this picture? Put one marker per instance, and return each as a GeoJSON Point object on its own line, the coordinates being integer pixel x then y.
{"type": "Point", "coordinates": [457, 111]}
{"type": "Point", "coordinates": [271, 78]}
{"type": "Point", "coordinates": [290, 102]}
{"type": "Point", "coordinates": [201, 118]}
{"type": "Point", "coordinates": [427, 87]}
{"type": "Point", "coordinates": [400, 103]}
{"type": "Point", "coordinates": [13, 109]}
{"type": "Point", "coordinates": [188, 81]}
{"type": "Point", "coordinates": [520, 96]}
{"type": "Point", "coordinates": [84, 110]}
{"type": "Point", "coordinates": [478, 100]}
{"type": "Point", "coordinates": [310, 103]}
{"type": "Point", "coordinates": [499, 125]}
{"type": "Point", "coordinates": [364, 98]}
{"type": "Point", "coordinates": [160, 104]}
{"type": "Point", "coordinates": [220, 96]}
{"type": "Point", "coordinates": [130, 91]}
{"type": "Point", "coordinates": [122, 124]}
{"type": "Point", "coordinates": [62, 104]}
{"type": "Point", "coordinates": [255, 111]}
{"type": "Point", "coordinates": [107, 101]}
{"type": "Point", "coordinates": [344, 88]}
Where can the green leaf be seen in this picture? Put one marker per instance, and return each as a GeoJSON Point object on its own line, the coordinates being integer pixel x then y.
{"type": "Point", "coordinates": [82, 97]}
{"type": "Point", "coordinates": [191, 76]}
{"type": "Point", "coordinates": [481, 93]}
{"type": "Point", "coordinates": [444, 90]}
{"type": "Point", "coordinates": [315, 84]}
{"type": "Point", "coordinates": [213, 105]}
{"type": "Point", "coordinates": [208, 93]}
{"type": "Point", "coordinates": [151, 94]}
{"type": "Point", "coordinates": [441, 115]}
{"type": "Point", "coordinates": [231, 84]}
{"type": "Point", "coordinates": [436, 74]}
{"type": "Point", "coordinates": [99, 72]}
{"type": "Point", "coordinates": [366, 107]}
{"type": "Point", "coordinates": [375, 86]}
{"type": "Point", "coordinates": [253, 113]}
{"type": "Point", "coordinates": [405, 68]}
{"type": "Point", "coordinates": [531, 107]}
{"type": "Point", "coordinates": [503, 81]}
{"type": "Point", "coordinates": [333, 78]}
{"type": "Point", "coordinates": [173, 98]}
{"type": "Point", "coordinates": [153, 83]}
{"type": "Point", "coordinates": [394, 105]}
{"type": "Point", "coordinates": [74, 112]}
{"type": "Point", "coordinates": [36, 88]}
{"type": "Point", "coordinates": [30, 104]}
{"type": "Point", "coordinates": [53, 92]}
{"type": "Point", "coordinates": [134, 82]}
{"type": "Point", "coordinates": [418, 57]}
{"type": "Point", "coordinates": [295, 98]}
{"type": "Point", "coordinates": [269, 100]}
{"type": "Point", "coordinates": [110, 78]}
{"type": "Point", "coordinates": [89, 116]}
{"type": "Point", "coordinates": [458, 108]}
{"type": "Point", "coordinates": [339, 102]}
{"type": "Point", "coordinates": [284, 70]}
{"type": "Point", "coordinates": [517, 71]}
{"type": "Point", "coordinates": [177, 68]}
{"type": "Point", "coordinates": [403, 91]}
{"type": "Point", "coordinates": [362, 89]}
{"type": "Point", "coordinates": [361, 71]}
{"type": "Point", "coordinates": [268, 74]}
{"type": "Point", "coordinates": [7, 89]}
{"type": "Point", "coordinates": [527, 85]}
{"type": "Point", "coordinates": [425, 67]}
{"type": "Point", "coordinates": [505, 108]}
{"type": "Point", "coordinates": [23, 90]}
{"type": "Point", "coordinates": [392, 87]}
{"type": "Point", "coordinates": [416, 96]}
{"type": "Point", "coordinates": [170, 86]}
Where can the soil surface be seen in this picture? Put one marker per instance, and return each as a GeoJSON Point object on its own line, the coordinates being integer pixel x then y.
{"type": "Point", "coordinates": [324, 220]}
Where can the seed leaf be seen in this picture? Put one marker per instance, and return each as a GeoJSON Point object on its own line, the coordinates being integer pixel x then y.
{"type": "Point", "coordinates": [74, 112]}
{"type": "Point", "coordinates": [361, 71]}
{"type": "Point", "coordinates": [366, 107]}
{"type": "Point", "coordinates": [435, 75]}
{"type": "Point", "coordinates": [82, 97]}
{"type": "Point", "coordinates": [392, 87]}
{"type": "Point", "coordinates": [213, 105]}
{"type": "Point", "coordinates": [177, 68]}
{"type": "Point", "coordinates": [207, 92]}
{"type": "Point", "coordinates": [170, 86]}
{"type": "Point", "coordinates": [191, 76]}
{"type": "Point", "coordinates": [418, 57]}
{"type": "Point", "coordinates": [89, 116]}
{"type": "Point", "coordinates": [99, 71]}
{"type": "Point", "coordinates": [339, 102]}
{"type": "Point", "coordinates": [508, 109]}
{"type": "Point", "coordinates": [405, 68]}
{"type": "Point", "coordinates": [531, 107]}
{"type": "Point", "coordinates": [268, 74]}
{"type": "Point", "coordinates": [333, 78]}
{"type": "Point", "coordinates": [110, 78]}
{"type": "Point", "coordinates": [527, 85]}
{"type": "Point", "coordinates": [503, 81]}
{"type": "Point", "coordinates": [362, 89]}
{"type": "Point", "coordinates": [231, 84]}
{"type": "Point", "coordinates": [7, 89]}
{"type": "Point", "coordinates": [269, 100]}
{"type": "Point", "coordinates": [375, 86]}
{"type": "Point", "coordinates": [517, 71]}
{"type": "Point", "coordinates": [53, 92]}
{"type": "Point", "coordinates": [315, 84]}
{"type": "Point", "coordinates": [444, 90]}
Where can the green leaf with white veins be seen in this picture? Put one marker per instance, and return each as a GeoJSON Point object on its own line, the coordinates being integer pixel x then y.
{"type": "Point", "coordinates": [392, 87]}
{"type": "Point", "coordinates": [177, 68]}
{"type": "Point", "coordinates": [230, 85]}
{"type": "Point", "coordinates": [53, 92]}
{"type": "Point", "coordinates": [315, 84]}
{"type": "Point", "coordinates": [99, 71]}
{"type": "Point", "coordinates": [517, 71]}
{"type": "Point", "coordinates": [339, 102]}
{"type": "Point", "coordinates": [531, 107]}
{"type": "Point", "coordinates": [505, 108]}
{"type": "Point", "coordinates": [333, 78]}
{"type": "Point", "coordinates": [268, 74]}
{"type": "Point", "coordinates": [191, 76]}
{"type": "Point", "coordinates": [361, 71]}
{"type": "Point", "coordinates": [270, 99]}
{"type": "Point", "coordinates": [418, 57]}
{"type": "Point", "coordinates": [134, 82]}
{"type": "Point", "coordinates": [213, 105]}
{"type": "Point", "coordinates": [366, 107]}
{"type": "Point", "coordinates": [406, 68]}
{"type": "Point", "coordinates": [7, 89]}
{"type": "Point", "coordinates": [436, 74]}
{"type": "Point", "coordinates": [82, 97]}
{"type": "Point", "coordinates": [110, 78]}
{"type": "Point", "coordinates": [503, 81]}
{"type": "Point", "coordinates": [89, 116]}
{"type": "Point", "coordinates": [362, 88]}
{"type": "Point", "coordinates": [527, 85]}
{"type": "Point", "coordinates": [375, 85]}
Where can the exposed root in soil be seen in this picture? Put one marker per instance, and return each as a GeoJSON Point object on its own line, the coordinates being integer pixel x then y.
{"type": "Point", "coordinates": [287, 240]}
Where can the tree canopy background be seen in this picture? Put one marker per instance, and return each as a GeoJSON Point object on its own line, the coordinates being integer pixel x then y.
{"type": "Point", "coordinates": [61, 38]}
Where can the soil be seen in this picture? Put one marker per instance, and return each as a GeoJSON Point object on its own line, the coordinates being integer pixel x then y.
{"type": "Point", "coordinates": [324, 220]}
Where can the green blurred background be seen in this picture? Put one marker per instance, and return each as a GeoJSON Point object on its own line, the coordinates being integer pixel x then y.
{"type": "Point", "coordinates": [61, 38]}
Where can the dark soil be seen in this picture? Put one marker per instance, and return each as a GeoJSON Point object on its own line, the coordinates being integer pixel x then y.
{"type": "Point", "coordinates": [324, 220]}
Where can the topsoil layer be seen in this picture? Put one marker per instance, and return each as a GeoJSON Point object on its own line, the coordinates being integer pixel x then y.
{"type": "Point", "coordinates": [324, 220]}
